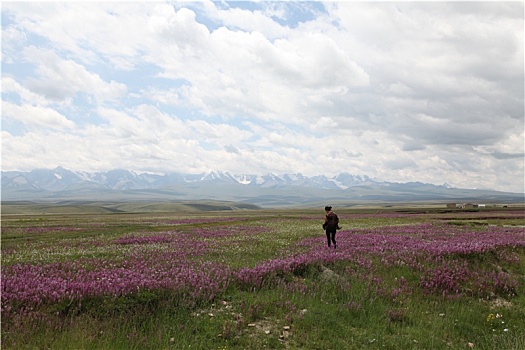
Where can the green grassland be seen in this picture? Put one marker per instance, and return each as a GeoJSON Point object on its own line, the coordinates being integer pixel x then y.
{"type": "Point", "coordinates": [331, 300]}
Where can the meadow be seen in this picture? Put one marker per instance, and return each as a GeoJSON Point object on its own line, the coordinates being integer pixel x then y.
{"type": "Point", "coordinates": [410, 278]}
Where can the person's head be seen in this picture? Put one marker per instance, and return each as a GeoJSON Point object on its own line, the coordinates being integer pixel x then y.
{"type": "Point", "coordinates": [328, 208]}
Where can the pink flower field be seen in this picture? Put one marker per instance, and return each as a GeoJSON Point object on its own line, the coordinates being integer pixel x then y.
{"type": "Point", "coordinates": [146, 280]}
{"type": "Point", "coordinates": [188, 263]}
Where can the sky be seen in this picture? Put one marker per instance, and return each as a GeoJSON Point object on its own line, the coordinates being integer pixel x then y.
{"type": "Point", "coordinates": [398, 91]}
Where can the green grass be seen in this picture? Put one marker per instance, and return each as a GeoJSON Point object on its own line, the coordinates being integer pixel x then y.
{"type": "Point", "coordinates": [321, 306]}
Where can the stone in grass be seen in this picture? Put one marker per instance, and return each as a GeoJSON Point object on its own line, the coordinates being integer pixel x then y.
{"type": "Point", "coordinates": [285, 333]}
{"type": "Point", "coordinates": [328, 275]}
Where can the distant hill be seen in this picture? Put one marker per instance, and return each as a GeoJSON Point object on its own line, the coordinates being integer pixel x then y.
{"type": "Point", "coordinates": [269, 190]}
{"type": "Point", "coordinates": [102, 207]}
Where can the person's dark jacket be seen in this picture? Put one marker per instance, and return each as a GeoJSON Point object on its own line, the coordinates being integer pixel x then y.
{"type": "Point", "coordinates": [331, 222]}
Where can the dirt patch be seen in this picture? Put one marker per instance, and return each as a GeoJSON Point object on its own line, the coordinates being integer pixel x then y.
{"type": "Point", "coordinates": [500, 303]}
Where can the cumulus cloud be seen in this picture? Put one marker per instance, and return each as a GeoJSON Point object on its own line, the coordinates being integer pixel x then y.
{"type": "Point", "coordinates": [60, 79]}
{"type": "Point", "coordinates": [427, 92]}
{"type": "Point", "coordinates": [36, 117]}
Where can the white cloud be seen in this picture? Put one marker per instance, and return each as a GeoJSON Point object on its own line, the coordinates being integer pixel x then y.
{"type": "Point", "coordinates": [90, 32]}
{"type": "Point", "coordinates": [36, 117]}
{"type": "Point", "coordinates": [60, 79]}
{"type": "Point", "coordinates": [400, 91]}
{"type": "Point", "coordinates": [10, 85]}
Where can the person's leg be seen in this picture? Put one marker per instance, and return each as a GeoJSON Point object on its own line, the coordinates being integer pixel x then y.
{"type": "Point", "coordinates": [333, 239]}
{"type": "Point", "coordinates": [328, 238]}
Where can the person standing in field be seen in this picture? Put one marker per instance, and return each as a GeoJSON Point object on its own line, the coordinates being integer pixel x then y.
{"type": "Point", "coordinates": [331, 225]}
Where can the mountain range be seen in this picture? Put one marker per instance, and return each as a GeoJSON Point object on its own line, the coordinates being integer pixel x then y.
{"type": "Point", "coordinates": [262, 190]}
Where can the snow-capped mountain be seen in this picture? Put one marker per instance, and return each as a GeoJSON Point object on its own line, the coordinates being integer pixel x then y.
{"type": "Point", "coordinates": [60, 179]}
{"type": "Point", "coordinates": [264, 190]}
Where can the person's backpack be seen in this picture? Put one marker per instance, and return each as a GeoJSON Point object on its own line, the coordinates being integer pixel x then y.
{"type": "Point", "coordinates": [332, 221]}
